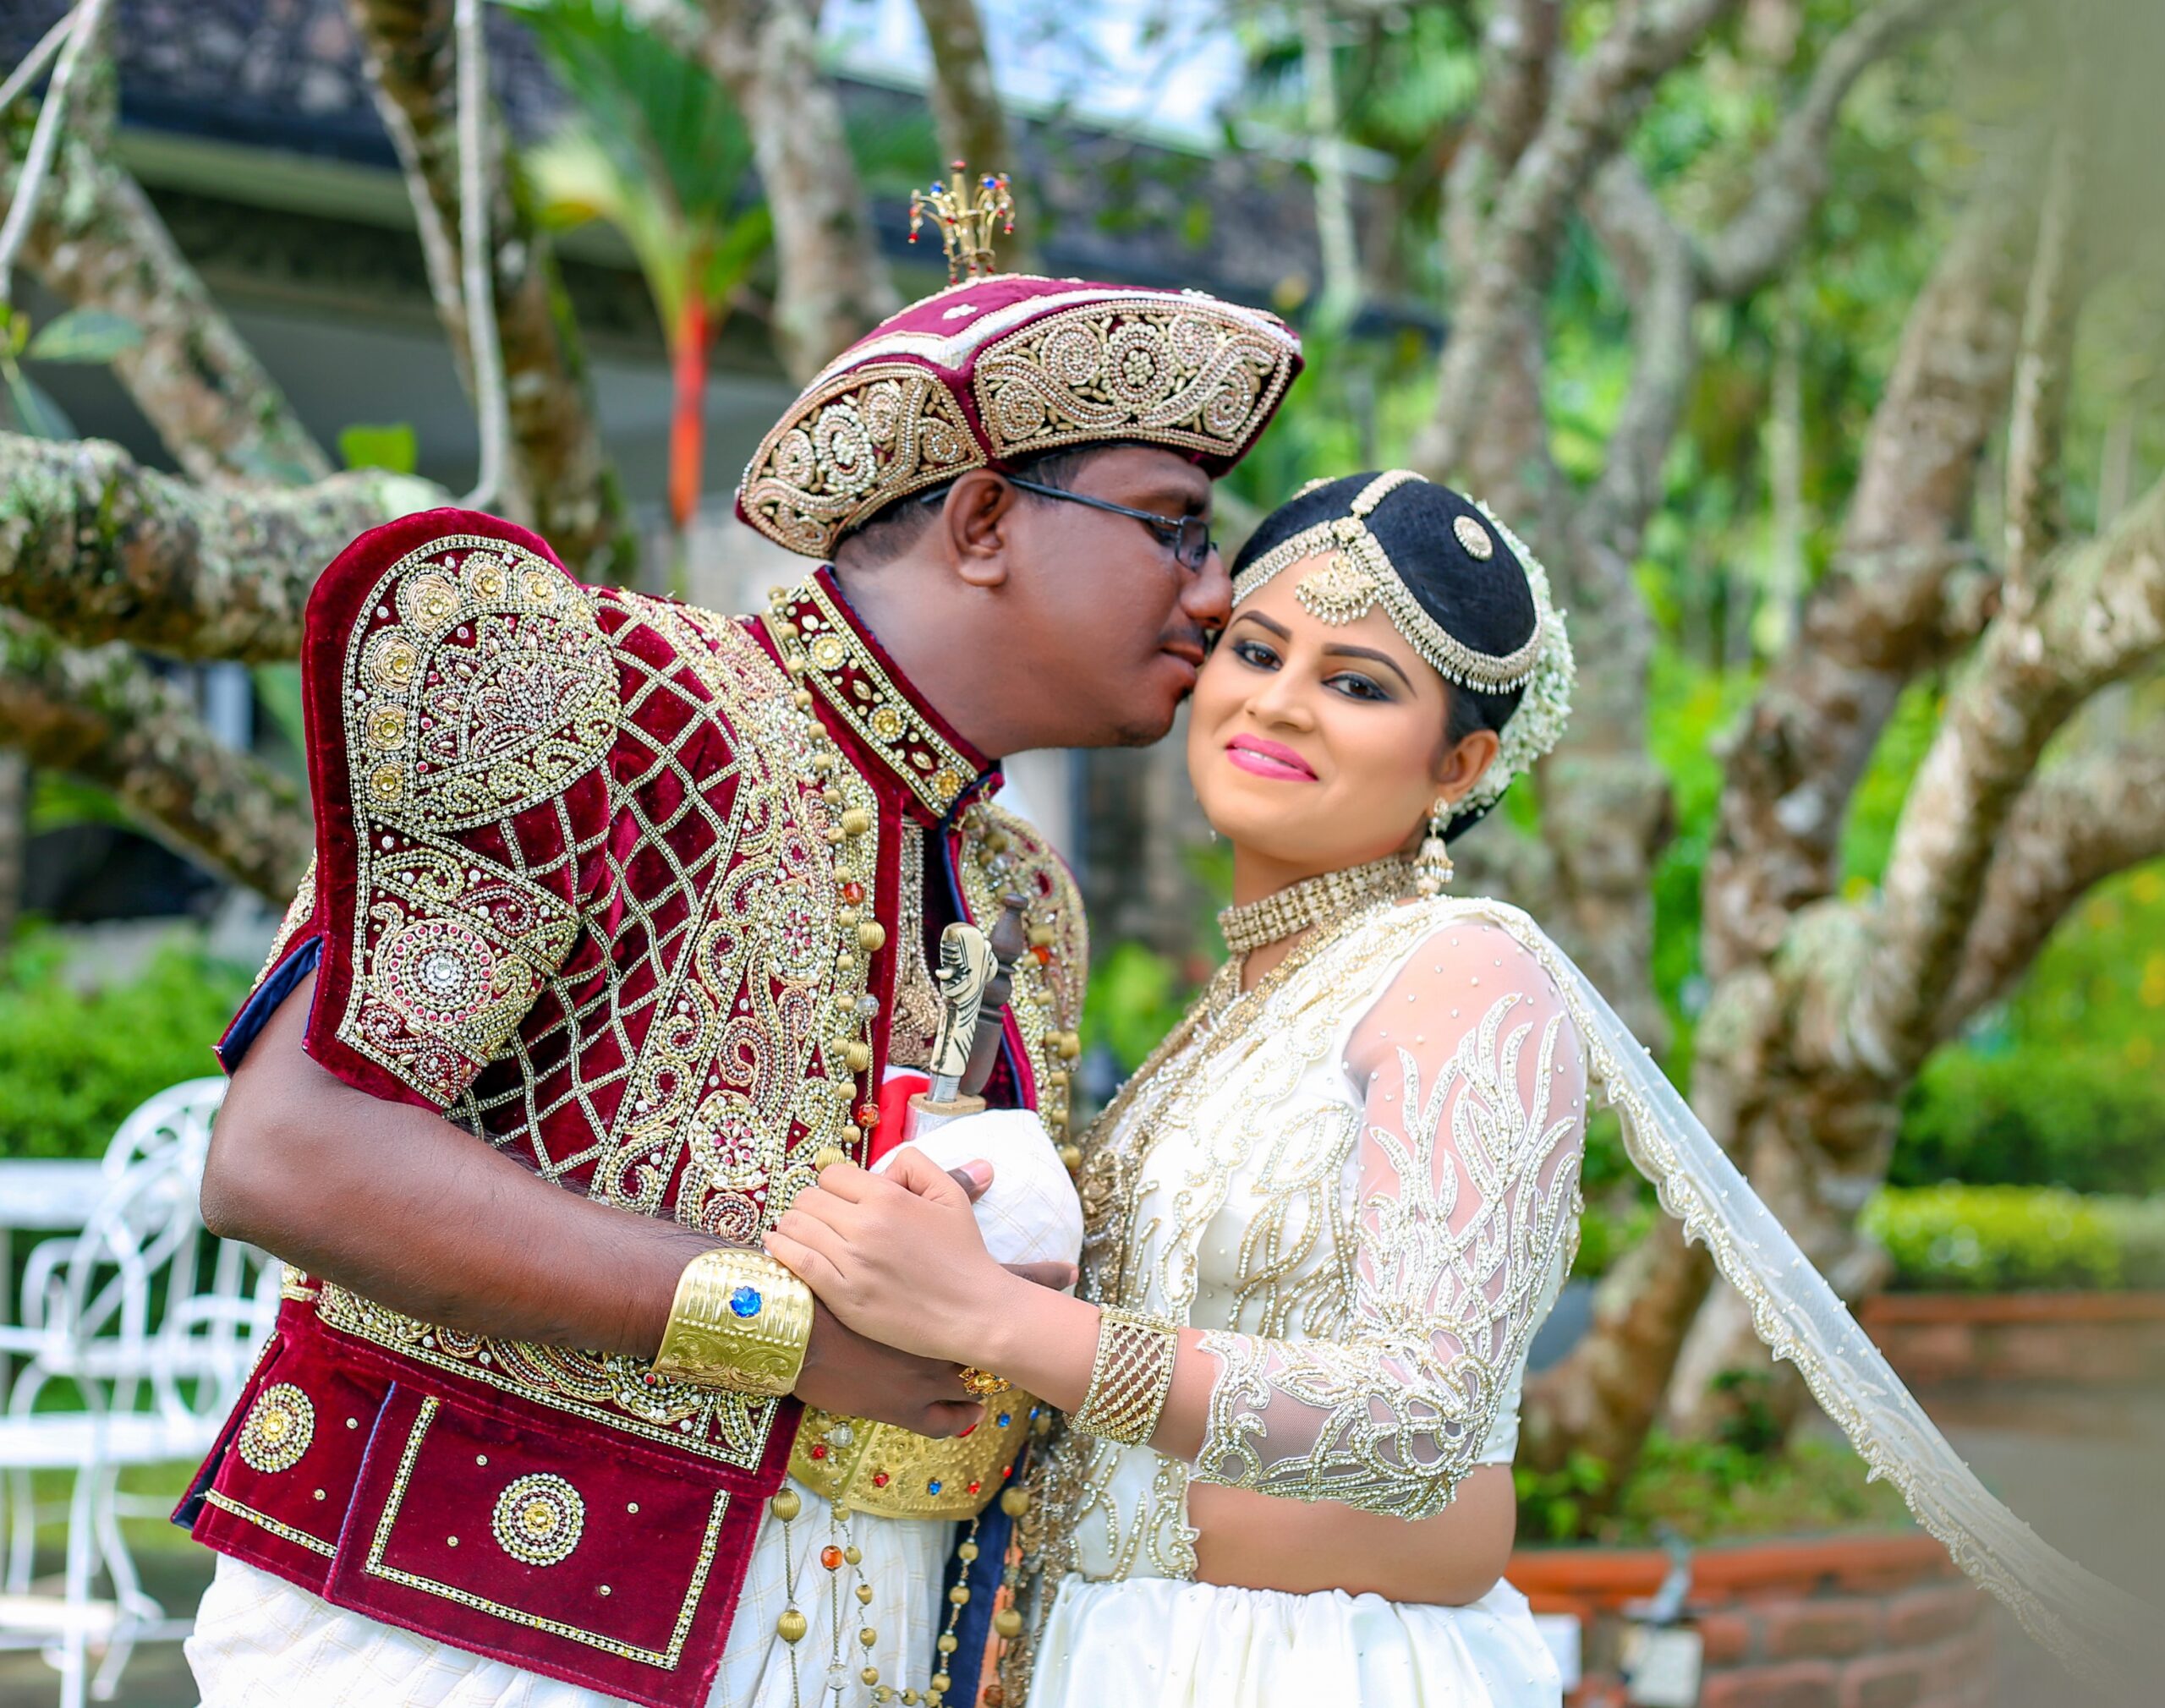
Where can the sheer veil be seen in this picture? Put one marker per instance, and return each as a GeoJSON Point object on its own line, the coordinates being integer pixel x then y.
{"type": "Point", "coordinates": [2093, 1628]}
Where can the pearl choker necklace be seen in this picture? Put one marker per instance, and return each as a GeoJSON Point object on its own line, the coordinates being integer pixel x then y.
{"type": "Point", "coordinates": [1327, 897]}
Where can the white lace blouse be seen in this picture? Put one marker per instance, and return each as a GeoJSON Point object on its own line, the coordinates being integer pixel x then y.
{"type": "Point", "coordinates": [1361, 1180]}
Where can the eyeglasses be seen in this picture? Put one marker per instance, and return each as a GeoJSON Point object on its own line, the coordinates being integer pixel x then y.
{"type": "Point", "coordinates": [1188, 536]}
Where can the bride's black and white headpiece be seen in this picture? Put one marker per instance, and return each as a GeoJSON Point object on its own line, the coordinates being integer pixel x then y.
{"type": "Point", "coordinates": [1462, 588]}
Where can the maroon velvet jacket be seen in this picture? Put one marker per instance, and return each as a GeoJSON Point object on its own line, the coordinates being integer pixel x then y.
{"type": "Point", "coordinates": [576, 887]}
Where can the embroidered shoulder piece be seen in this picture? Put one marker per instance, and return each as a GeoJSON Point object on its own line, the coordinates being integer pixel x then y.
{"type": "Point", "coordinates": [474, 688]}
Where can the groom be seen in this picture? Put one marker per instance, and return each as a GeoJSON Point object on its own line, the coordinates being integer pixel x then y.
{"type": "Point", "coordinates": [642, 897]}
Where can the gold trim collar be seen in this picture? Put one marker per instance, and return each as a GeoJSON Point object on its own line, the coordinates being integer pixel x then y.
{"type": "Point", "coordinates": [846, 668]}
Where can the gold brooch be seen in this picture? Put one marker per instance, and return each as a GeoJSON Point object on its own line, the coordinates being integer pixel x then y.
{"type": "Point", "coordinates": [1339, 593]}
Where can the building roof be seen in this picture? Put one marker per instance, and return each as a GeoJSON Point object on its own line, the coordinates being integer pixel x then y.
{"type": "Point", "coordinates": [286, 77]}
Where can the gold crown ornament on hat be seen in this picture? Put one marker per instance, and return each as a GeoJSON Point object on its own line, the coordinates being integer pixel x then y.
{"type": "Point", "coordinates": [966, 214]}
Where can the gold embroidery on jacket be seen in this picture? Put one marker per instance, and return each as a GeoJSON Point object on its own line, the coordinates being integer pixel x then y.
{"type": "Point", "coordinates": [539, 1519]}
{"type": "Point", "coordinates": [740, 1079]}
{"type": "Point", "coordinates": [314, 1543]}
{"type": "Point", "coordinates": [296, 916]}
{"type": "Point", "coordinates": [851, 680]}
{"type": "Point", "coordinates": [279, 1425]}
{"type": "Point", "coordinates": [666, 1658]}
{"type": "Point", "coordinates": [477, 684]}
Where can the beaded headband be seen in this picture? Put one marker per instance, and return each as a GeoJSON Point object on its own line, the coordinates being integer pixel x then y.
{"type": "Point", "coordinates": [1357, 575]}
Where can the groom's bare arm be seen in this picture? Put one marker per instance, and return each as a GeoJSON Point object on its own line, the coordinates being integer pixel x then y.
{"type": "Point", "coordinates": [401, 1207]}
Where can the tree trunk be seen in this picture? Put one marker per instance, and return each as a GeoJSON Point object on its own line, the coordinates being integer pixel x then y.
{"type": "Point", "coordinates": [101, 716]}
{"type": "Point", "coordinates": [561, 479]}
{"type": "Point", "coordinates": [1877, 618]}
{"type": "Point", "coordinates": [14, 843]}
{"type": "Point", "coordinates": [831, 287]}
{"type": "Point", "coordinates": [966, 108]}
{"type": "Point", "coordinates": [97, 243]}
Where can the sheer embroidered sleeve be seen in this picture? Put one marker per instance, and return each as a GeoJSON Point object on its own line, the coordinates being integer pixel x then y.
{"type": "Point", "coordinates": [461, 701]}
{"type": "Point", "coordinates": [1470, 1080]}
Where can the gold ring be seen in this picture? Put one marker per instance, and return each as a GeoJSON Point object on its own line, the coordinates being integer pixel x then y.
{"type": "Point", "coordinates": [982, 1384]}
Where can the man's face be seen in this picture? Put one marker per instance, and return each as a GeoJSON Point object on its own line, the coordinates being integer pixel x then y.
{"type": "Point", "coordinates": [1113, 628]}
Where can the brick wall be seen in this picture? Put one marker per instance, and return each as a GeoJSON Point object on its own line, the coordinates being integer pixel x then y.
{"type": "Point", "coordinates": [1862, 1622]}
{"type": "Point", "coordinates": [2090, 1338]}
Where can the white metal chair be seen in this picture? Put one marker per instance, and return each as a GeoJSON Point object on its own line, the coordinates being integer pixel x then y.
{"type": "Point", "coordinates": [148, 1328]}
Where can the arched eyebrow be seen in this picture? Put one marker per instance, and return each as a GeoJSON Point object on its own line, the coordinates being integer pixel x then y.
{"type": "Point", "coordinates": [1383, 659]}
{"type": "Point", "coordinates": [1341, 651]}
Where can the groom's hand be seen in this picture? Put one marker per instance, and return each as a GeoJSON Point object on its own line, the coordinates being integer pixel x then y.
{"type": "Point", "coordinates": [845, 1373]}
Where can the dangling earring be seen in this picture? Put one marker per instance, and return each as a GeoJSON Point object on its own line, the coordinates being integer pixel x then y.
{"type": "Point", "coordinates": [1432, 866]}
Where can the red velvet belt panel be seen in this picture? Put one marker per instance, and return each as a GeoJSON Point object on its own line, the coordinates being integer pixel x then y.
{"type": "Point", "coordinates": [483, 1520]}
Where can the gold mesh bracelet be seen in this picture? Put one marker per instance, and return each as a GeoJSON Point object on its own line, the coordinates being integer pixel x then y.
{"type": "Point", "coordinates": [740, 1321]}
{"type": "Point", "coordinates": [1129, 1378]}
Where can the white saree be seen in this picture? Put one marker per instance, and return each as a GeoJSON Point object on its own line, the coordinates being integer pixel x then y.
{"type": "Point", "coordinates": [1360, 1180]}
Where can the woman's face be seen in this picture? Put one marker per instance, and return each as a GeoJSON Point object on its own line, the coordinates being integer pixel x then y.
{"type": "Point", "coordinates": [1320, 746]}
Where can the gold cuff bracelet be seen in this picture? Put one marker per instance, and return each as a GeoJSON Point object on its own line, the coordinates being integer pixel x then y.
{"type": "Point", "coordinates": [1129, 1379]}
{"type": "Point", "coordinates": [740, 1322]}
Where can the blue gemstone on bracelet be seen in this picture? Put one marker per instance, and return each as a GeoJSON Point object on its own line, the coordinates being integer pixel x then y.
{"type": "Point", "coordinates": [745, 1301]}
{"type": "Point", "coordinates": [1001, 1420]}
{"type": "Point", "coordinates": [933, 1488]}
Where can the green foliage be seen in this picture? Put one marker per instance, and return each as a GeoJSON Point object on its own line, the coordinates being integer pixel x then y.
{"type": "Point", "coordinates": [2062, 1085]}
{"type": "Point", "coordinates": [1876, 808]}
{"type": "Point", "coordinates": [1620, 1202]}
{"type": "Point", "coordinates": [394, 445]}
{"type": "Point", "coordinates": [1706, 1492]}
{"type": "Point", "coordinates": [1716, 1491]}
{"type": "Point", "coordinates": [2138, 1226]}
{"type": "Point", "coordinates": [73, 1064]}
{"type": "Point", "coordinates": [2033, 1115]}
{"type": "Point", "coordinates": [1555, 1505]}
{"type": "Point", "coordinates": [84, 335]}
{"type": "Point", "coordinates": [58, 799]}
{"type": "Point", "coordinates": [1997, 1239]}
{"type": "Point", "coordinates": [31, 409]}
{"type": "Point", "coordinates": [278, 692]}
{"type": "Point", "coordinates": [1689, 708]}
{"type": "Point", "coordinates": [657, 150]}
{"type": "Point", "coordinates": [1134, 999]}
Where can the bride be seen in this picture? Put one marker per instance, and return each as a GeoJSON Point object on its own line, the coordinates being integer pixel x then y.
{"type": "Point", "coordinates": [1326, 1217]}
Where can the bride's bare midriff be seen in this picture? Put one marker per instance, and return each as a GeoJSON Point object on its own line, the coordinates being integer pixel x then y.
{"type": "Point", "coordinates": [1260, 1541]}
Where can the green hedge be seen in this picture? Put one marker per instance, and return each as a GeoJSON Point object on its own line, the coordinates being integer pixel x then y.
{"type": "Point", "coordinates": [1707, 1491]}
{"type": "Point", "coordinates": [2010, 1238]}
{"type": "Point", "coordinates": [73, 1063]}
{"type": "Point", "coordinates": [2092, 1121]}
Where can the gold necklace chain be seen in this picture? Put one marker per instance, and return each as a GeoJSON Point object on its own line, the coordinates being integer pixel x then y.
{"type": "Point", "coordinates": [1329, 896]}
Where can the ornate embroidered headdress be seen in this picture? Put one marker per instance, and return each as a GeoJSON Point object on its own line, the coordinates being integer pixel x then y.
{"type": "Point", "coordinates": [999, 369]}
{"type": "Point", "coordinates": [1357, 575]}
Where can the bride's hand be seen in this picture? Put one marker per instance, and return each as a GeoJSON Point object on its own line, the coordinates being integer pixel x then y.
{"type": "Point", "coordinates": [897, 1256]}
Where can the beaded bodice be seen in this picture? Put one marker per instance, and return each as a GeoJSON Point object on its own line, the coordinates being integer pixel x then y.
{"type": "Point", "coordinates": [1360, 1179]}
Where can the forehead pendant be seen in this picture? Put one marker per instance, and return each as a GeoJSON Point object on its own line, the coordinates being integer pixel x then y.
{"type": "Point", "coordinates": [1339, 593]}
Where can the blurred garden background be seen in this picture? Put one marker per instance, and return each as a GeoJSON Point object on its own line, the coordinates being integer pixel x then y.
{"type": "Point", "coordinates": [1818, 346]}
